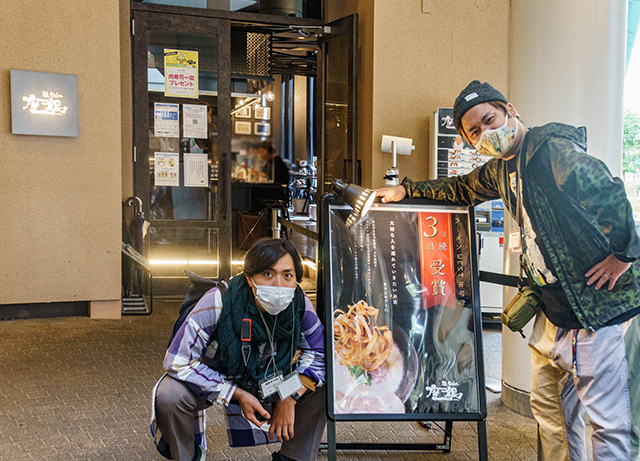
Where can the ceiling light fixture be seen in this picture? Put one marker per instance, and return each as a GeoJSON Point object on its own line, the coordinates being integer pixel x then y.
{"type": "Point", "coordinates": [245, 103]}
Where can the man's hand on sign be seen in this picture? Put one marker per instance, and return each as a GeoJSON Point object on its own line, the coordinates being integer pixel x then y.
{"type": "Point", "coordinates": [605, 271]}
{"type": "Point", "coordinates": [391, 194]}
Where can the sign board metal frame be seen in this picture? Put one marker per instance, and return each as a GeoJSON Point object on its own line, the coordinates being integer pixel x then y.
{"type": "Point", "coordinates": [327, 308]}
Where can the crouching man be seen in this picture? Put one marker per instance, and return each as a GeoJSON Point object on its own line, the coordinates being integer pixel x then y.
{"type": "Point", "coordinates": [238, 351]}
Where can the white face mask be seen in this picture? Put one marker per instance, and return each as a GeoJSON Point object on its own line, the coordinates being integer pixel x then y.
{"type": "Point", "coordinates": [274, 299]}
{"type": "Point", "coordinates": [497, 142]}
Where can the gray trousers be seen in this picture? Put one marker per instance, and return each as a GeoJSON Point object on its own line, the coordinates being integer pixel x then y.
{"type": "Point", "coordinates": [573, 409]}
{"type": "Point", "coordinates": [176, 406]}
{"type": "Point", "coordinates": [600, 385]}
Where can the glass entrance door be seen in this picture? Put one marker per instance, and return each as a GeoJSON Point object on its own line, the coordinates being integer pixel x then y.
{"type": "Point", "coordinates": [338, 103]}
{"type": "Point", "coordinates": [182, 132]}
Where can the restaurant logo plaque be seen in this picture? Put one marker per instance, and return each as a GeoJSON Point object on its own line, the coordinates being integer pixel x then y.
{"type": "Point", "coordinates": [44, 103]}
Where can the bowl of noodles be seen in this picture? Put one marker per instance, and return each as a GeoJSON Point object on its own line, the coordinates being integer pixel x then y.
{"type": "Point", "coordinates": [375, 367]}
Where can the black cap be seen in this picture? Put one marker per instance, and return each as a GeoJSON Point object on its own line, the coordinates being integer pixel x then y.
{"type": "Point", "coordinates": [475, 93]}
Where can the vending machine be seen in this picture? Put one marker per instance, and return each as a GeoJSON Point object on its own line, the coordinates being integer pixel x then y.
{"type": "Point", "coordinates": [453, 156]}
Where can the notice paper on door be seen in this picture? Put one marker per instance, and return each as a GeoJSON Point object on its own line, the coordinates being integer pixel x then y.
{"type": "Point", "coordinates": [165, 120]}
{"type": "Point", "coordinates": [166, 169]}
{"type": "Point", "coordinates": [194, 121]}
{"type": "Point", "coordinates": [181, 73]}
{"type": "Point", "coordinates": [195, 170]}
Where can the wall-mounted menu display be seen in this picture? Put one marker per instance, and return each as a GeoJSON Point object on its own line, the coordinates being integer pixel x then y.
{"type": "Point", "coordinates": [454, 156]}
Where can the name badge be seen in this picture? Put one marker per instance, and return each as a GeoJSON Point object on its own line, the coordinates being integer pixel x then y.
{"type": "Point", "coordinates": [269, 386]}
{"type": "Point", "coordinates": [515, 241]}
{"type": "Point", "coordinates": [289, 385]}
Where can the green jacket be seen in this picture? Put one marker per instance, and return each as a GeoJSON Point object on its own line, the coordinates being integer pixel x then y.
{"type": "Point", "coordinates": [581, 212]}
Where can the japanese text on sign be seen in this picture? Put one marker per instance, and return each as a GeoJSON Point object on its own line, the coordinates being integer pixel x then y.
{"type": "Point", "coordinates": [438, 277]}
{"type": "Point", "coordinates": [181, 73]}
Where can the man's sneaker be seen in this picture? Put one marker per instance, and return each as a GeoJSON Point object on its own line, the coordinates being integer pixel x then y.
{"type": "Point", "coordinates": [199, 455]}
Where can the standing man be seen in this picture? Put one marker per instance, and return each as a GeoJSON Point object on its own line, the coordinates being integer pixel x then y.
{"type": "Point", "coordinates": [276, 164]}
{"type": "Point", "coordinates": [239, 352]}
{"type": "Point", "coordinates": [580, 249]}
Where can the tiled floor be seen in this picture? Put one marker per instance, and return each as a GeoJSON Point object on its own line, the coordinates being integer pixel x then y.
{"type": "Point", "coordinates": [79, 389]}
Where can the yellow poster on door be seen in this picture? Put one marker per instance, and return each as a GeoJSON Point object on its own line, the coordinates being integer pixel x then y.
{"type": "Point", "coordinates": [181, 73]}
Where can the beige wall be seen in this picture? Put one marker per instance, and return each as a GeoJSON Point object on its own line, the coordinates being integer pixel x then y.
{"type": "Point", "coordinates": [60, 204]}
{"type": "Point", "coordinates": [126, 96]}
{"type": "Point", "coordinates": [413, 62]}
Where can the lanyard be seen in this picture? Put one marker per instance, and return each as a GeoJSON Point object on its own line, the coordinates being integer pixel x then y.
{"type": "Point", "coordinates": [517, 192]}
{"type": "Point", "coordinates": [519, 199]}
{"type": "Point", "coordinates": [271, 336]}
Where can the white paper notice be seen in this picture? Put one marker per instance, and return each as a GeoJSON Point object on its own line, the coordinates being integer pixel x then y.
{"type": "Point", "coordinates": [165, 120]}
{"type": "Point", "coordinates": [194, 121]}
{"type": "Point", "coordinates": [195, 170]}
{"type": "Point", "coordinates": [167, 169]}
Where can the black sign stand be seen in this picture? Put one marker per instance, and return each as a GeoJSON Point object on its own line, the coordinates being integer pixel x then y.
{"type": "Point", "coordinates": [331, 446]}
{"type": "Point", "coordinates": [325, 311]}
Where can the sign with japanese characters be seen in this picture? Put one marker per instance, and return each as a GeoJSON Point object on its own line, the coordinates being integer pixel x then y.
{"type": "Point", "coordinates": [180, 73]}
{"type": "Point", "coordinates": [44, 104]}
{"type": "Point", "coordinates": [194, 121]}
{"type": "Point", "coordinates": [165, 120]}
{"type": "Point", "coordinates": [403, 320]}
{"type": "Point", "coordinates": [196, 169]}
{"type": "Point", "coordinates": [166, 169]}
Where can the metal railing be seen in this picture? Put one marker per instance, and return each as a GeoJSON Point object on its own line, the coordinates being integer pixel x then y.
{"type": "Point", "coordinates": [277, 221]}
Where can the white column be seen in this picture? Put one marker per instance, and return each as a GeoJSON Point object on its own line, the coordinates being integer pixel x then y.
{"type": "Point", "coordinates": [566, 65]}
{"type": "Point", "coordinates": [516, 362]}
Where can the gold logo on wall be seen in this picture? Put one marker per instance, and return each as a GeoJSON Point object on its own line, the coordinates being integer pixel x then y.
{"type": "Point", "coordinates": [49, 104]}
